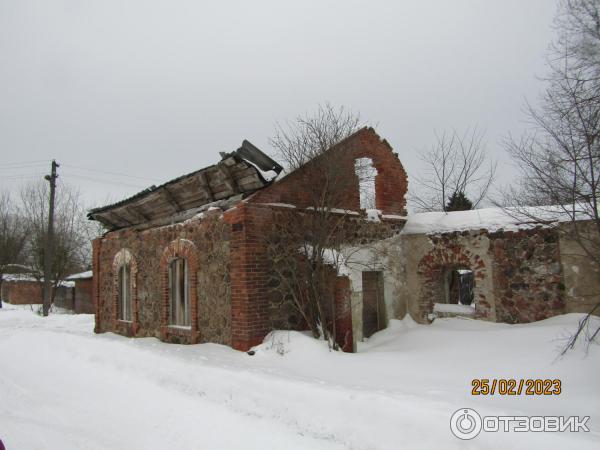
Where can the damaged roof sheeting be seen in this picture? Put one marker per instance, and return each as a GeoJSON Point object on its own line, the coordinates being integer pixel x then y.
{"type": "Point", "coordinates": [235, 175]}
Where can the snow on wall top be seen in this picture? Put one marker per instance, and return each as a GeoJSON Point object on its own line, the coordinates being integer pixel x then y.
{"type": "Point", "coordinates": [80, 276]}
{"type": "Point", "coordinates": [26, 277]}
{"type": "Point", "coordinates": [491, 219]}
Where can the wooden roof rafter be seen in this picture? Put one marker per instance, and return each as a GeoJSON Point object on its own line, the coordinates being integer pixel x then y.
{"type": "Point", "coordinates": [204, 183]}
{"type": "Point", "coordinates": [229, 180]}
{"type": "Point", "coordinates": [171, 199]}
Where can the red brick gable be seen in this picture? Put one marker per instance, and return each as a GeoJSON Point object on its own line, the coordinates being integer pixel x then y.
{"type": "Point", "coordinates": [391, 181]}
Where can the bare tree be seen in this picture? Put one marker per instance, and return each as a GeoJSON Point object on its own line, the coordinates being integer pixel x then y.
{"type": "Point", "coordinates": [304, 246]}
{"type": "Point", "coordinates": [455, 165]}
{"type": "Point", "coordinates": [70, 253]}
{"type": "Point", "coordinates": [559, 158]}
{"type": "Point", "coordinates": [310, 136]}
{"type": "Point", "coordinates": [13, 234]}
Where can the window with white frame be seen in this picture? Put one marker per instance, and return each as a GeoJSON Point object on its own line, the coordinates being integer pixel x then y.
{"type": "Point", "coordinates": [124, 302]}
{"type": "Point", "coordinates": [179, 301]}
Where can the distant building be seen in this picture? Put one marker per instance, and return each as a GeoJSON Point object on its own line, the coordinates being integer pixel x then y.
{"type": "Point", "coordinates": [25, 289]}
{"type": "Point", "coordinates": [82, 292]}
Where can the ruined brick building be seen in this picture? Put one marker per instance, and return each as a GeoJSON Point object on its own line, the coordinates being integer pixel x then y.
{"type": "Point", "coordinates": [187, 262]}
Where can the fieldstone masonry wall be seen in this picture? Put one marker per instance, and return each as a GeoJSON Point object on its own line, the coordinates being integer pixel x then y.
{"type": "Point", "coordinates": [209, 260]}
{"type": "Point", "coordinates": [518, 274]}
{"type": "Point", "coordinates": [528, 278]}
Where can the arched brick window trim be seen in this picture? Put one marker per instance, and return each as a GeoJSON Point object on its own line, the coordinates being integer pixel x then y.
{"type": "Point", "coordinates": [180, 248]}
{"type": "Point", "coordinates": [431, 271]}
{"type": "Point", "coordinates": [124, 256]}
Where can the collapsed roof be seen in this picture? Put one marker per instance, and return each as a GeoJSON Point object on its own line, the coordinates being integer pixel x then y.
{"type": "Point", "coordinates": [237, 175]}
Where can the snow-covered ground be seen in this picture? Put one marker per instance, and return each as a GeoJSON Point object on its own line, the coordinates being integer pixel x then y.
{"type": "Point", "coordinates": [62, 387]}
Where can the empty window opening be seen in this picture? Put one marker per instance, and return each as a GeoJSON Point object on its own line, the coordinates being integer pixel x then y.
{"type": "Point", "coordinates": [366, 173]}
{"type": "Point", "coordinates": [124, 293]}
{"type": "Point", "coordinates": [374, 318]}
{"type": "Point", "coordinates": [459, 287]}
{"type": "Point", "coordinates": [178, 293]}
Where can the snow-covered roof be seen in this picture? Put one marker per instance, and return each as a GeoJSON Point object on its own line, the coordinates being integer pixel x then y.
{"type": "Point", "coordinates": [18, 277]}
{"type": "Point", "coordinates": [491, 219]}
{"type": "Point", "coordinates": [81, 276]}
{"type": "Point", "coordinates": [30, 278]}
{"type": "Point", "coordinates": [21, 268]}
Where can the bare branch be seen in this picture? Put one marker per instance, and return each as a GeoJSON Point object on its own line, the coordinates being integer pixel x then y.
{"type": "Point", "coordinates": [454, 164]}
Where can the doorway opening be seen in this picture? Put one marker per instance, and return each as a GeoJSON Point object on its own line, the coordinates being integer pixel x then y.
{"type": "Point", "coordinates": [373, 315]}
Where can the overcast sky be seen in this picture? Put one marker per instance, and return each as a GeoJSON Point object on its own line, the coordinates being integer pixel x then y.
{"type": "Point", "coordinates": [156, 89]}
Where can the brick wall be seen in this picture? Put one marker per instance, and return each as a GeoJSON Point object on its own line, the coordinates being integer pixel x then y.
{"type": "Point", "coordinates": [391, 182]}
{"type": "Point", "coordinates": [249, 275]}
{"type": "Point", "coordinates": [83, 297]}
{"type": "Point", "coordinates": [22, 292]}
{"type": "Point", "coordinates": [31, 292]}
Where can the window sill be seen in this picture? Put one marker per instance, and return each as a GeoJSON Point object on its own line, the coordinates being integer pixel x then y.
{"type": "Point", "coordinates": [178, 330]}
{"type": "Point", "coordinates": [126, 327]}
{"type": "Point", "coordinates": [180, 327]}
{"type": "Point", "coordinates": [179, 334]}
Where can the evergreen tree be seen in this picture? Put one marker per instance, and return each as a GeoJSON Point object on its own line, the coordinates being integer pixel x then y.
{"type": "Point", "coordinates": [459, 202]}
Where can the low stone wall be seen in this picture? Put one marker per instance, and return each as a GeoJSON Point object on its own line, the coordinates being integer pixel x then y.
{"type": "Point", "coordinates": [528, 278]}
{"type": "Point", "coordinates": [581, 276]}
{"type": "Point", "coordinates": [518, 274]}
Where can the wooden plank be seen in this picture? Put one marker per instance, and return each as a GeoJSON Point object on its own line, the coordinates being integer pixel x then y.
{"type": "Point", "coordinates": [244, 172]}
{"type": "Point", "coordinates": [120, 219]}
{"type": "Point", "coordinates": [229, 180]}
{"type": "Point", "coordinates": [228, 162]}
{"type": "Point", "coordinates": [137, 213]}
{"type": "Point", "coordinates": [171, 199]}
{"type": "Point", "coordinates": [101, 217]}
{"type": "Point", "coordinates": [204, 182]}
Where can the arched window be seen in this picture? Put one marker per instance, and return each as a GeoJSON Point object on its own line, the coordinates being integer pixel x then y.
{"type": "Point", "coordinates": [124, 270]}
{"type": "Point", "coordinates": [179, 300]}
{"type": "Point", "coordinates": [366, 173]}
{"type": "Point", "coordinates": [124, 293]}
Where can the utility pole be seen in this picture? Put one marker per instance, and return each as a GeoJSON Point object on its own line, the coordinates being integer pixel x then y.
{"type": "Point", "coordinates": [49, 244]}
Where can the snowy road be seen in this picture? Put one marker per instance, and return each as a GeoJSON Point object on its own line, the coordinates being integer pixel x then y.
{"type": "Point", "coordinates": [62, 387]}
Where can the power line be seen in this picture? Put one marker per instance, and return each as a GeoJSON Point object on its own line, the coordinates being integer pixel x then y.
{"type": "Point", "coordinates": [16, 168]}
{"type": "Point", "coordinates": [21, 176]}
{"type": "Point", "coordinates": [97, 180]}
{"type": "Point", "coordinates": [38, 162]}
{"type": "Point", "coordinates": [110, 173]}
